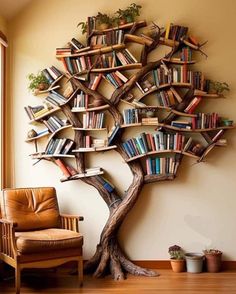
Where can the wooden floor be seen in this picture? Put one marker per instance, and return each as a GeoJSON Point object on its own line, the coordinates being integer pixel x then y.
{"type": "Point", "coordinates": [168, 283]}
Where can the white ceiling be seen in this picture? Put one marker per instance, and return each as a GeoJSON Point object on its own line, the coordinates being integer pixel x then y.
{"type": "Point", "coordinates": [10, 8]}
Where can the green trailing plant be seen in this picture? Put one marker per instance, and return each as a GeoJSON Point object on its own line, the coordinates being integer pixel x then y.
{"type": "Point", "coordinates": [37, 82]}
{"type": "Point", "coordinates": [130, 13]}
{"type": "Point", "coordinates": [176, 252]}
{"type": "Point", "coordinates": [103, 18]}
{"type": "Point", "coordinates": [84, 26]}
{"type": "Point", "coordinates": [218, 87]}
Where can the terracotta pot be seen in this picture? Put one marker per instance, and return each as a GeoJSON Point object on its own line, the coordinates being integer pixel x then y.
{"type": "Point", "coordinates": [103, 26]}
{"type": "Point", "coordinates": [178, 265]}
{"type": "Point", "coordinates": [42, 86]}
{"type": "Point", "coordinates": [213, 262]}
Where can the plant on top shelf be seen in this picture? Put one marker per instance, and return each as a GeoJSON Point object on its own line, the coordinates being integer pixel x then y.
{"type": "Point", "coordinates": [103, 20]}
{"type": "Point", "coordinates": [218, 87]}
{"type": "Point", "coordinates": [129, 14]}
{"type": "Point", "coordinates": [213, 260]}
{"type": "Point", "coordinates": [177, 258]}
{"type": "Point", "coordinates": [37, 82]}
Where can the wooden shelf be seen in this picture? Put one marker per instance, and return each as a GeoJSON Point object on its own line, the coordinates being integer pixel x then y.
{"type": "Point", "coordinates": [205, 94]}
{"type": "Point", "coordinates": [161, 152]}
{"type": "Point", "coordinates": [94, 149]}
{"type": "Point", "coordinates": [102, 50]}
{"type": "Point", "coordinates": [111, 69]}
{"type": "Point", "coordinates": [158, 178]}
{"type": "Point", "coordinates": [42, 155]}
{"type": "Point", "coordinates": [139, 24]}
{"type": "Point", "coordinates": [37, 137]}
{"type": "Point", "coordinates": [45, 115]}
{"type": "Point", "coordinates": [52, 86]}
{"type": "Point", "coordinates": [81, 176]}
{"type": "Point", "coordinates": [83, 109]}
{"type": "Point", "coordinates": [178, 61]}
{"type": "Point", "coordinates": [82, 129]}
{"type": "Point", "coordinates": [138, 39]}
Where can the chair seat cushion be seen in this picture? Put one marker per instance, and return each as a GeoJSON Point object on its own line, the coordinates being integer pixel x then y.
{"type": "Point", "coordinates": [47, 240]}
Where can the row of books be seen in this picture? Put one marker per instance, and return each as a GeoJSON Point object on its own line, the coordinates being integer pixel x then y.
{"type": "Point", "coordinates": [161, 165]}
{"type": "Point", "coordinates": [154, 142]}
{"type": "Point", "coordinates": [35, 112]}
{"type": "Point", "coordinates": [166, 98]}
{"type": "Point", "coordinates": [205, 121]}
{"type": "Point", "coordinates": [90, 142]}
{"type": "Point", "coordinates": [131, 116]}
{"type": "Point", "coordinates": [56, 98]}
{"type": "Point", "coordinates": [116, 79]}
{"type": "Point", "coordinates": [51, 74]}
{"type": "Point", "coordinates": [93, 120]}
{"type": "Point", "coordinates": [74, 45]}
{"type": "Point", "coordinates": [66, 169]}
{"type": "Point", "coordinates": [201, 121]}
{"type": "Point", "coordinates": [59, 146]}
{"type": "Point", "coordinates": [80, 101]}
{"type": "Point", "coordinates": [77, 65]}
{"type": "Point", "coordinates": [54, 123]}
{"type": "Point", "coordinates": [193, 104]}
{"type": "Point", "coordinates": [108, 38]}
{"type": "Point", "coordinates": [113, 59]}
{"type": "Point", "coordinates": [175, 32]}
{"type": "Point", "coordinates": [178, 74]}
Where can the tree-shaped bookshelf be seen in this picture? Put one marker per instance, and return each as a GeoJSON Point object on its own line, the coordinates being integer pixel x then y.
{"type": "Point", "coordinates": [176, 130]}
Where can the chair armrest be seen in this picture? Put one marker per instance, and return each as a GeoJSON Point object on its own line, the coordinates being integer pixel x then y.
{"type": "Point", "coordinates": [70, 222]}
{"type": "Point", "coordinates": [7, 238]}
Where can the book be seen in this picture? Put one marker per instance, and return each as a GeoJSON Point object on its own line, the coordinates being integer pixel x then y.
{"type": "Point", "coordinates": [113, 133]}
{"type": "Point", "coordinates": [63, 167]}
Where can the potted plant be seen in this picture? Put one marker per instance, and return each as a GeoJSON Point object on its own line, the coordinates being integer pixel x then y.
{"type": "Point", "coordinates": [177, 260]}
{"type": "Point", "coordinates": [218, 87]}
{"type": "Point", "coordinates": [38, 82]}
{"type": "Point", "coordinates": [129, 14]}
{"type": "Point", "coordinates": [103, 20]}
{"type": "Point", "coordinates": [213, 260]}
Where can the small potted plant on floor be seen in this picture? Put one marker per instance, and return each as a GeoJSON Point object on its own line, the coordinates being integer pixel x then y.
{"type": "Point", "coordinates": [177, 260]}
{"type": "Point", "coordinates": [213, 260]}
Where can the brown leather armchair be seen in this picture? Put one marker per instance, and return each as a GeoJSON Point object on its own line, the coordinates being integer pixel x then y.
{"type": "Point", "coordinates": [34, 235]}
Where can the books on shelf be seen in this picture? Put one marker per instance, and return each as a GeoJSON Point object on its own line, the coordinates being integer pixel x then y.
{"type": "Point", "coordinates": [93, 120]}
{"type": "Point", "coordinates": [35, 112]}
{"type": "Point", "coordinates": [131, 116]}
{"type": "Point", "coordinates": [181, 124]}
{"type": "Point", "coordinates": [158, 141]}
{"type": "Point", "coordinates": [66, 169]}
{"type": "Point", "coordinates": [193, 104]}
{"type": "Point", "coordinates": [76, 45]}
{"type": "Point", "coordinates": [205, 121]}
{"type": "Point", "coordinates": [161, 165]}
{"type": "Point", "coordinates": [114, 132]}
{"type": "Point", "coordinates": [53, 123]}
{"type": "Point", "coordinates": [175, 32]}
{"type": "Point", "coordinates": [59, 146]}
{"type": "Point", "coordinates": [107, 38]}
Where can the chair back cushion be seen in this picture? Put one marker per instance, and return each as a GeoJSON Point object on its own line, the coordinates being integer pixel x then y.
{"type": "Point", "coordinates": [31, 208]}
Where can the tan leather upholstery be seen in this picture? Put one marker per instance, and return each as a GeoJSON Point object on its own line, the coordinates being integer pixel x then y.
{"type": "Point", "coordinates": [34, 235]}
{"type": "Point", "coordinates": [31, 208]}
{"type": "Point", "coordinates": [47, 240]}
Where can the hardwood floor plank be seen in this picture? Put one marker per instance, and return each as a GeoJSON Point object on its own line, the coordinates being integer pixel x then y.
{"type": "Point", "coordinates": [168, 282]}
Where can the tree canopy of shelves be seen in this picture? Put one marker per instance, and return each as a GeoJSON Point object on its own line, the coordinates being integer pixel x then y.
{"type": "Point", "coordinates": [177, 90]}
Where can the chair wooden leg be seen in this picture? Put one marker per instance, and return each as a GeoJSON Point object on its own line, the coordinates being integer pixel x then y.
{"type": "Point", "coordinates": [17, 279]}
{"type": "Point", "coordinates": [80, 272]}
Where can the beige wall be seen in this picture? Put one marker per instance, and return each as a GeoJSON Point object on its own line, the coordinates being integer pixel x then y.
{"type": "Point", "coordinates": [3, 25]}
{"type": "Point", "coordinates": [197, 210]}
